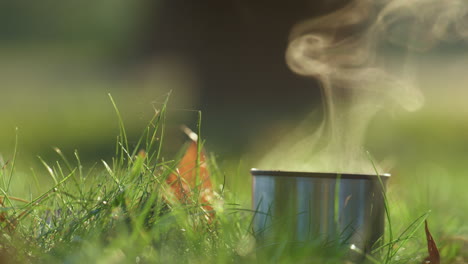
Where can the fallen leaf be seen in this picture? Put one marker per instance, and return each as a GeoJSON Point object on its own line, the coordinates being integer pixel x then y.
{"type": "Point", "coordinates": [3, 215]}
{"type": "Point", "coordinates": [192, 177]}
{"type": "Point", "coordinates": [434, 256]}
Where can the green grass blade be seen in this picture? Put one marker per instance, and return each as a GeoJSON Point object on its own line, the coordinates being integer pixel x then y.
{"type": "Point", "coordinates": [13, 162]}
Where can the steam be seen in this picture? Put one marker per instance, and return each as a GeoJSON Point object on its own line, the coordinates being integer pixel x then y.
{"type": "Point", "coordinates": [343, 50]}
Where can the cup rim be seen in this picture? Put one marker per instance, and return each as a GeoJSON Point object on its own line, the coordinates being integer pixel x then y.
{"type": "Point", "coordinates": [329, 175]}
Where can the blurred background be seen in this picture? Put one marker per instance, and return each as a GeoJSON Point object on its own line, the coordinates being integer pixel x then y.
{"type": "Point", "coordinates": [60, 59]}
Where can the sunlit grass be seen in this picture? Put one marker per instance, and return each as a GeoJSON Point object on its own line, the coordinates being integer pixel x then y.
{"type": "Point", "coordinates": [117, 211]}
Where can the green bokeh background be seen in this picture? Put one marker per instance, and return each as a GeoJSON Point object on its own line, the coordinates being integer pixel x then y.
{"type": "Point", "coordinates": [59, 61]}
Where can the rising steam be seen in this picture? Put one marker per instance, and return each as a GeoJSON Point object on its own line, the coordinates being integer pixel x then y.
{"type": "Point", "coordinates": [343, 50]}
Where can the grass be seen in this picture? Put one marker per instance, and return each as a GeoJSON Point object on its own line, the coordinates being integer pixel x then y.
{"type": "Point", "coordinates": [117, 211]}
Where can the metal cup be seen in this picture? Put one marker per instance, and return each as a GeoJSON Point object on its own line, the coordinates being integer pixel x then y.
{"type": "Point", "coordinates": [314, 206]}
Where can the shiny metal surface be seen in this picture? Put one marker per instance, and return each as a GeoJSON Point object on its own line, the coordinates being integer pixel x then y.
{"type": "Point", "coordinates": [319, 206]}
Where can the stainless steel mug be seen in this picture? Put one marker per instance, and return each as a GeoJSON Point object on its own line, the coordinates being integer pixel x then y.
{"type": "Point", "coordinates": [305, 206]}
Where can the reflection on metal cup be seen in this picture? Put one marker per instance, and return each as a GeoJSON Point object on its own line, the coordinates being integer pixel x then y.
{"type": "Point", "coordinates": [313, 206]}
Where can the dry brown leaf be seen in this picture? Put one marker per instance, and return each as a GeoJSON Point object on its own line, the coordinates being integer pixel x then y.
{"type": "Point", "coordinates": [3, 215]}
{"type": "Point", "coordinates": [192, 177]}
{"type": "Point", "coordinates": [434, 256]}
